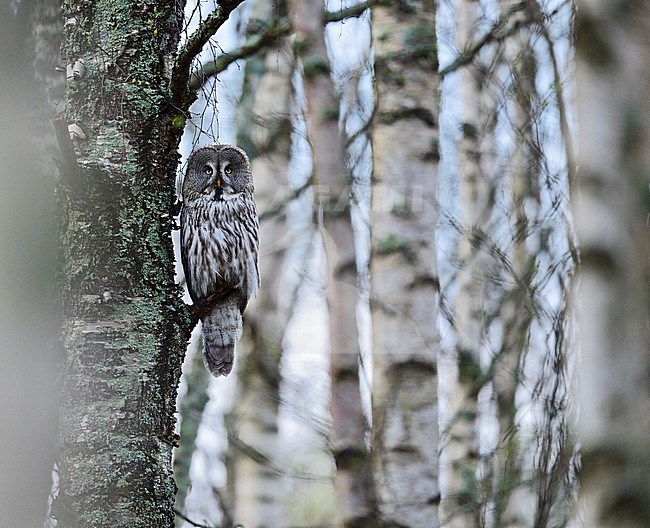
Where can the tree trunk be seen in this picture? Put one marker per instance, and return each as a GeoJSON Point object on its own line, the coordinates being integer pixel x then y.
{"type": "Point", "coordinates": [611, 212]}
{"type": "Point", "coordinates": [404, 279]}
{"type": "Point", "coordinates": [332, 203]}
{"type": "Point", "coordinates": [512, 492]}
{"type": "Point", "coordinates": [265, 133]}
{"type": "Point", "coordinates": [125, 327]}
{"type": "Point", "coordinates": [465, 501]}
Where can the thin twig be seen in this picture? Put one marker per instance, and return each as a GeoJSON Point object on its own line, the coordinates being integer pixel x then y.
{"type": "Point", "coordinates": [260, 40]}
{"type": "Point", "coordinates": [193, 47]}
{"type": "Point", "coordinates": [254, 44]}
{"type": "Point", "coordinates": [497, 32]}
{"type": "Point", "coordinates": [193, 523]}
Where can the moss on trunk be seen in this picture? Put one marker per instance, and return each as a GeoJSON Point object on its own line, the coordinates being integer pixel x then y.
{"type": "Point", "coordinates": [125, 327]}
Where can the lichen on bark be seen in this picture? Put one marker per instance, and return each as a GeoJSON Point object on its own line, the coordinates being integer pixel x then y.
{"type": "Point", "coordinates": [124, 326]}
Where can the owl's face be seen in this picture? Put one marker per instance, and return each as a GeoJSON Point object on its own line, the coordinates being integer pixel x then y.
{"type": "Point", "coordinates": [217, 172]}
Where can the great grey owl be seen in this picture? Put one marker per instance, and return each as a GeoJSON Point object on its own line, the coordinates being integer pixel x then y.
{"type": "Point", "coordinates": [219, 247]}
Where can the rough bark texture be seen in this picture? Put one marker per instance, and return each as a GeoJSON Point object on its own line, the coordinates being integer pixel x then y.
{"type": "Point", "coordinates": [611, 205]}
{"type": "Point", "coordinates": [265, 132]}
{"type": "Point", "coordinates": [353, 478]}
{"type": "Point", "coordinates": [124, 324]}
{"type": "Point", "coordinates": [404, 280]}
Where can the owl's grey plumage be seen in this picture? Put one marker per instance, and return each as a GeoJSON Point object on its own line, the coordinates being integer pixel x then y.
{"type": "Point", "coordinates": [219, 247]}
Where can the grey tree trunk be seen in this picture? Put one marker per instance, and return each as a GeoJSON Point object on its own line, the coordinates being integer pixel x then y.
{"type": "Point", "coordinates": [353, 476]}
{"type": "Point", "coordinates": [124, 326]}
{"type": "Point", "coordinates": [404, 278]}
{"type": "Point", "coordinates": [466, 495]}
{"type": "Point", "coordinates": [259, 494]}
{"type": "Point", "coordinates": [611, 213]}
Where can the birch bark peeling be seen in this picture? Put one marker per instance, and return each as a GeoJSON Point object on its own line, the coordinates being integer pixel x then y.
{"type": "Point", "coordinates": [611, 206]}
{"type": "Point", "coordinates": [353, 477]}
{"type": "Point", "coordinates": [404, 279]}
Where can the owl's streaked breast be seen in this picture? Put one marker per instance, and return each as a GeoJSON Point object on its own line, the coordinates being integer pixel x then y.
{"type": "Point", "coordinates": [219, 238]}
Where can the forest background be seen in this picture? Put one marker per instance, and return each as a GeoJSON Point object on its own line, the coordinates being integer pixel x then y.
{"type": "Point", "coordinates": [453, 323]}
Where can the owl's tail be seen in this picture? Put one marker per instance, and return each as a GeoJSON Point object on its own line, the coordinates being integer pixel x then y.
{"type": "Point", "coordinates": [222, 327]}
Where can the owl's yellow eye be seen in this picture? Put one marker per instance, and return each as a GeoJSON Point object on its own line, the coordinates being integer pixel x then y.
{"type": "Point", "coordinates": [228, 170]}
{"type": "Point", "coordinates": [207, 170]}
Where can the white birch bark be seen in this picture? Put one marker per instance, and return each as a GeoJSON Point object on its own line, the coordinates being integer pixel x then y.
{"type": "Point", "coordinates": [467, 490]}
{"type": "Point", "coordinates": [259, 493]}
{"type": "Point", "coordinates": [404, 280]}
{"type": "Point", "coordinates": [512, 492]}
{"type": "Point", "coordinates": [353, 478]}
{"type": "Point", "coordinates": [611, 214]}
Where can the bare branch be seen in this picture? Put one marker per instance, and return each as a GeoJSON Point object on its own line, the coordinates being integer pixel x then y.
{"type": "Point", "coordinates": [193, 523]}
{"type": "Point", "coordinates": [279, 207]}
{"type": "Point", "coordinates": [260, 40]}
{"type": "Point", "coordinates": [254, 44]}
{"type": "Point", "coordinates": [499, 31]}
{"type": "Point", "coordinates": [351, 12]}
{"type": "Point", "coordinates": [560, 100]}
{"type": "Point", "coordinates": [194, 45]}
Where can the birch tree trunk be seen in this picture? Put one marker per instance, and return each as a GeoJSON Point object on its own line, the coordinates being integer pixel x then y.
{"type": "Point", "coordinates": [611, 212]}
{"type": "Point", "coordinates": [404, 279]}
{"type": "Point", "coordinates": [465, 499]}
{"type": "Point", "coordinates": [265, 132]}
{"type": "Point", "coordinates": [353, 477]}
{"type": "Point", "coordinates": [512, 493]}
{"type": "Point", "coordinates": [125, 327]}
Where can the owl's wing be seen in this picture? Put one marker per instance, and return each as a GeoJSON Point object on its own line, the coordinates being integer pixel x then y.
{"type": "Point", "coordinates": [217, 294]}
{"type": "Point", "coordinates": [186, 267]}
{"type": "Point", "coordinates": [217, 290]}
{"type": "Point", "coordinates": [251, 281]}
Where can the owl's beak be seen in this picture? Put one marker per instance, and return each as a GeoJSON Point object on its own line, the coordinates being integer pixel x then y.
{"type": "Point", "coordinates": [219, 183]}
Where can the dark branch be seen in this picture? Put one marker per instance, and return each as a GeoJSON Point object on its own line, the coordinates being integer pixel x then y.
{"type": "Point", "coordinates": [194, 45]}
{"type": "Point", "coordinates": [184, 517]}
{"type": "Point", "coordinates": [498, 32]}
{"type": "Point", "coordinates": [249, 48]}
{"type": "Point", "coordinates": [280, 206]}
{"type": "Point", "coordinates": [351, 12]}
{"type": "Point", "coordinates": [260, 40]}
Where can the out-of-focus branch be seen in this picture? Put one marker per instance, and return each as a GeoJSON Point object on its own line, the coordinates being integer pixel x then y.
{"type": "Point", "coordinates": [260, 40]}
{"type": "Point", "coordinates": [498, 32]}
{"type": "Point", "coordinates": [560, 99]}
{"type": "Point", "coordinates": [280, 207]}
{"type": "Point", "coordinates": [188, 520]}
{"type": "Point", "coordinates": [254, 44]}
{"type": "Point", "coordinates": [352, 11]}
